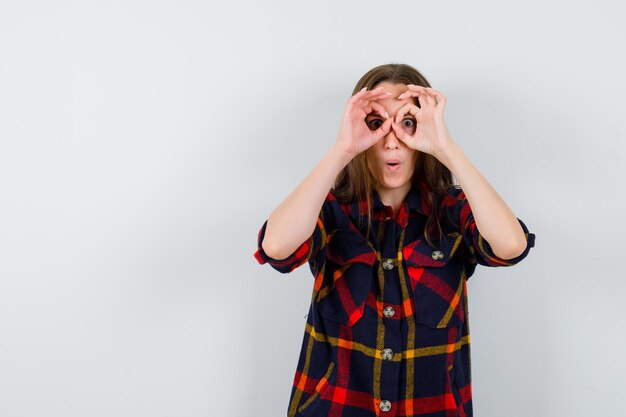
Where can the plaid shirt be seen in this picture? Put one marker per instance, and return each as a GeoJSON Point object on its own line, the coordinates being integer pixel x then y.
{"type": "Point", "coordinates": [387, 333]}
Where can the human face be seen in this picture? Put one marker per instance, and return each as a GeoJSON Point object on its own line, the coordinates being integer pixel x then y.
{"type": "Point", "coordinates": [390, 147]}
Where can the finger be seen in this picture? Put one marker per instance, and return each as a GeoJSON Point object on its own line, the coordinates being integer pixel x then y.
{"type": "Point", "coordinates": [365, 103]}
{"type": "Point", "coordinates": [408, 93]}
{"type": "Point", "coordinates": [404, 109]}
{"type": "Point", "coordinates": [365, 94]}
{"type": "Point", "coordinates": [417, 94]}
{"type": "Point", "coordinates": [425, 100]}
{"type": "Point", "coordinates": [400, 133]}
{"type": "Point", "coordinates": [368, 104]}
{"type": "Point", "coordinates": [421, 88]}
{"type": "Point", "coordinates": [412, 88]}
{"type": "Point", "coordinates": [430, 100]}
{"type": "Point", "coordinates": [361, 100]}
{"type": "Point", "coordinates": [357, 96]}
{"type": "Point", "coordinates": [434, 96]}
{"type": "Point", "coordinates": [440, 98]}
{"type": "Point", "coordinates": [384, 128]}
{"type": "Point", "coordinates": [430, 92]}
{"type": "Point", "coordinates": [379, 108]}
{"type": "Point", "coordinates": [376, 94]}
{"type": "Point", "coordinates": [360, 93]}
{"type": "Point", "coordinates": [423, 94]}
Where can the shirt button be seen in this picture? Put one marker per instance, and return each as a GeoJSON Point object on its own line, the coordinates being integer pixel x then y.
{"type": "Point", "coordinates": [387, 353]}
{"type": "Point", "coordinates": [437, 255]}
{"type": "Point", "coordinates": [388, 264]}
{"type": "Point", "coordinates": [385, 405]}
{"type": "Point", "coordinates": [389, 311]}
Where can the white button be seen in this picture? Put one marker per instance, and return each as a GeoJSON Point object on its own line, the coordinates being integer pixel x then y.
{"type": "Point", "coordinates": [389, 311]}
{"type": "Point", "coordinates": [385, 405]}
{"type": "Point", "coordinates": [388, 264]}
{"type": "Point", "coordinates": [387, 354]}
{"type": "Point", "coordinates": [437, 255]}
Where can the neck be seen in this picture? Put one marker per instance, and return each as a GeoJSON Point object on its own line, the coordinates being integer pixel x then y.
{"type": "Point", "coordinates": [393, 197]}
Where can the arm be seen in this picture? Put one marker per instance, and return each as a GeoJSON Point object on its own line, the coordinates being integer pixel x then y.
{"type": "Point", "coordinates": [494, 219]}
{"type": "Point", "coordinates": [294, 220]}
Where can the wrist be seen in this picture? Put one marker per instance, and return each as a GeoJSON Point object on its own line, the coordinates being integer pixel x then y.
{"type": "Point", "coordinates": [448, 154]}
{"type": "Point", "coordinates": [342, 154]}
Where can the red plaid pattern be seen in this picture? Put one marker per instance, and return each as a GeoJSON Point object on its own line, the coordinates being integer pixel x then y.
{"type": "Point", "coordinates": [387, 332]}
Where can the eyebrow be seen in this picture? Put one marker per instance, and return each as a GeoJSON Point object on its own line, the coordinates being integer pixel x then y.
{"type": "Point", "coordinates": [373, 114]}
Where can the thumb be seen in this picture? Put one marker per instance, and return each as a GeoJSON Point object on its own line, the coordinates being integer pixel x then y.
{"type": "Point", "coordinates": [400, 134]}
{"type": "Point", "coordinates": [383, 130]}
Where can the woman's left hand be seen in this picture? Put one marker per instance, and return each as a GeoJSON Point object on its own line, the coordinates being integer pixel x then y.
{"type": "Point", "coordinates": [431, 133]}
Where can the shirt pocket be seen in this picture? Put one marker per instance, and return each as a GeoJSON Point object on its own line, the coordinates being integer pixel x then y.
{"type": "Point", "coordinates": [436, 280]}
{"type": "Point", "coordinates": [319, 392]}
{"type": "Point", "coordinates": [347, 277]}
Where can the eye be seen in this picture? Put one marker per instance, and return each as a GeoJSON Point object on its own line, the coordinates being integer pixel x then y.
{"type": "Point", "coordinates": [411, 122]}
{"type": "Point", "coordinates": [374, 124]}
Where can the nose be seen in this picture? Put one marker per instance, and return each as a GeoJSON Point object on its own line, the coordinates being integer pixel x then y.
{"type": "Point", "coordinates": [391, 141]}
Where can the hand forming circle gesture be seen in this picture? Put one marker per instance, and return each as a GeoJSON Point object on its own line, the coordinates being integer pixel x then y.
{"type": "Point", "coordinates": [431, 134]}
{"type": "Point", "coordinates": [354, 134]}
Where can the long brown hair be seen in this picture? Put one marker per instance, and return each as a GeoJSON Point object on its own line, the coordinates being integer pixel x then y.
{"type": "Point", "coordinates": [355, 181]}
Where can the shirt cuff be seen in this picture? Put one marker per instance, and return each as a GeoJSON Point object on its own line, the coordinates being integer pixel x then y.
{"type": "Point", "coordinates": [482, 251]}
{"type": "Point", "coordinates": [301, 255]}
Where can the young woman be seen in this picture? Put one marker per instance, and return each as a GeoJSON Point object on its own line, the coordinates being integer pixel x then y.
{"type": "Point", "coordinates": [391, 246]}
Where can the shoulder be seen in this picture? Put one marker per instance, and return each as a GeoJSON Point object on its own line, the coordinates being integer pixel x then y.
{"type": "Point", "coordinates": [455, 204]}
{"type": "Point", "coordinates": [334, 213]}
{"type": "Point", "coordinates": [334, 200]}
{"type": "Point", "coordinates": [330, 205]}
{"type": "Point", "coordinates": [331, 196]}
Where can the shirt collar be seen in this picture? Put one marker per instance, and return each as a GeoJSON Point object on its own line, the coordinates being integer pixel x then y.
{"type": "Point", "coordinates": [414, 200]}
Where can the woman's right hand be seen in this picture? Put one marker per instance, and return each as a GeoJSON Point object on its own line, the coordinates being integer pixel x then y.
{"type": "Point", "coordinates": [355, 135]}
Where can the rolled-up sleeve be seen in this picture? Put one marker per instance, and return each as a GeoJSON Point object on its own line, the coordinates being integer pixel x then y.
{"type": "Point", "coordinates": [307, 251]}
{"type": "Point", "coordinates": [479, 248]}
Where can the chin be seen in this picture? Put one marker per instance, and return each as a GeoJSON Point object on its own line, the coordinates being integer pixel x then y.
{"type": "Point", "coordinates": [394, 183]}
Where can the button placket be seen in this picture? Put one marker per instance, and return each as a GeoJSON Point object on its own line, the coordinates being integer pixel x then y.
{"type": "Point", "coordinates": [390, 369]}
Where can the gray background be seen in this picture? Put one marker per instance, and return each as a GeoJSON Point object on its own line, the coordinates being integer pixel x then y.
{"type": "Point", "coordinates": [143, 144]}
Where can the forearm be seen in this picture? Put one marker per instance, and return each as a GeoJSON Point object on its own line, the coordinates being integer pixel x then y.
{"type": "Point", "coordinates": [294, 220]}
{"type": "Point", "coordinates": [494, 219]}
